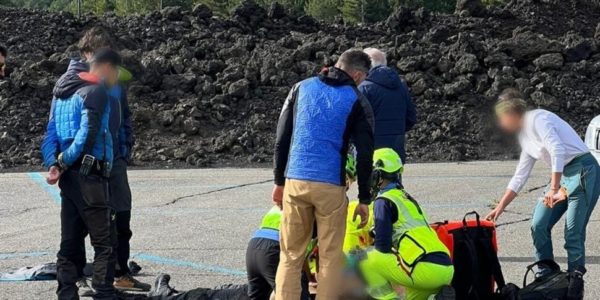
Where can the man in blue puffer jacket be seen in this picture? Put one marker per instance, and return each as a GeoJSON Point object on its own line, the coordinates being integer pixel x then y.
{"type": "Point", "coordinates": [394, 110]}
{"type": "Point", "coordinates": [319, 118]}
{"type": "Point", "coordinates": [78, 149]}
{"type": "Point", "coordinates": [122, 132]}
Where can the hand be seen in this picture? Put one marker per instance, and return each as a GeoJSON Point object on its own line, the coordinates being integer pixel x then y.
{"type": "Point", "coordinates": [278, 195]}
{"type": "Point", "coordinates": [549, 197]}
{"type": "Point", "coordinates": [53, 175]}
{"type": "Point", "coordinates": [494, 214]}
{"type": "Point", "coordinates": [361, 210]}
{"type": "Point", "coordinates": [560, 196]}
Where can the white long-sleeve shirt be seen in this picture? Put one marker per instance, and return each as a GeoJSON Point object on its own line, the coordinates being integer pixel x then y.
{"type": "Point", "coordinates": [547, 137]}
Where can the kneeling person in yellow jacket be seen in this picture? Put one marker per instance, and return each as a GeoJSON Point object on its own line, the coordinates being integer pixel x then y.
{"type": "Point", "coordinates": [356, 237]}
{"type": "Point", "coordinates": [407, 251]}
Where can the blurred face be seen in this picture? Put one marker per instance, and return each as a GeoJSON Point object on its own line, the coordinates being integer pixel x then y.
{"type": "Point", "coordinates": [88, 55]}
{"type": "Point", "coordinates": [510, 122]}
{"type": "Point", "coordinates": [108, 73]}
{"type": "Point", "coordinates": [2, 66]}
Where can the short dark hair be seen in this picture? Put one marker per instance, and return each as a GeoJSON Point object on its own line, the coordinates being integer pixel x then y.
{"type": "Point", "coordinates": [355, 59]}
{"type": "Point", "coordinates": [95, 38]}
{"type": "Point", "coordinates": [3, 51]}
{"type": "Point", "coordinates": [106, 56]}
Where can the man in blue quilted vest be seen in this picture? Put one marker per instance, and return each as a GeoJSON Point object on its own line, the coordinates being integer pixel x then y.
{"type": "Point", "coordinates": [78, 150]}
{"type": "Point", "coordinates": [320, 116]}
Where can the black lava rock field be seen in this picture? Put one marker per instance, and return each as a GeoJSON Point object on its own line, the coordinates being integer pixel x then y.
{"type": "Point", "coordinates": [207, 91]}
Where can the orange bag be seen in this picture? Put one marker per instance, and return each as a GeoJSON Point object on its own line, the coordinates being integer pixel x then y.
{"type": "Point", "coordinates": [445, 230]}
{"type": "Point", "coordinates": [473, 249]}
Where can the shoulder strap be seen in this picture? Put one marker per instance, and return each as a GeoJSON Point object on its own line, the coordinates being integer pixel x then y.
{"type": "Point", "coordinates": [547, 262]}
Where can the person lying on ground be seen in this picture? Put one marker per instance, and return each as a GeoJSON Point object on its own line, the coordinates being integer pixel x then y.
{"type": "Point", "coordinates": [407, 251]}
{"type": "Point", "coordinates": [574, 181]}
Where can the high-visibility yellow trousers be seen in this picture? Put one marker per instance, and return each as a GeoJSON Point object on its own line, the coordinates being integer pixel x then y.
{"type": "Point", "coordinates": [382, 272]}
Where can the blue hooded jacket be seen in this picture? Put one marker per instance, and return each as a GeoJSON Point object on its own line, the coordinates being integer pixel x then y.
{"type": "Point", "coordinates": [78, 123]}
{"type": "Point", "coordinates": [393, 108]}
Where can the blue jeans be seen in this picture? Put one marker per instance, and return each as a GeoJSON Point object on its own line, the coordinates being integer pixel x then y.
{"type": "Point", "coordinates": [581, 178]}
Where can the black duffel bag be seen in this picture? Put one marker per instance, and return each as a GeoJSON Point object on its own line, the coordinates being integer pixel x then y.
{"type": "Point", "coordinates": [553, 286]}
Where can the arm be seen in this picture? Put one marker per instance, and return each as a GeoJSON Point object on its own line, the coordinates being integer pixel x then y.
{"type": "Point", "coordinates": [126, 138]}
{"type": "Point", "coordinates": [50, 145]}
{"type": "Point", "coordinates": [385, 216]}
{"type": "Point", "coordinates": [411, 111]}
{"type": "Point", "coordinates": [552, 142]}
{"type": "Point", "coordinates": [284, 136]}
{"type": "Point", "coordinates": [93, 102]}
{"type": "Point", "coordinates": [362, 136]}
{"type": "Point", "coordinates": [526, 163]}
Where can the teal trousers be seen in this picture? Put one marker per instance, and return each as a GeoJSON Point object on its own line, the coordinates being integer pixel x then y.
{"type": "Point", "coordinates": [581, 178]}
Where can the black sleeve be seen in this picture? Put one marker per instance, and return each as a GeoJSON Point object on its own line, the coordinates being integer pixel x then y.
{"type": "Point", "coordinates": [95, 99]}
{"type": "Point", "coordinates": [362, 136]}
{"type": "Point", "coordinates": [284, 136]}
{"type": "Point", "coordinates": [129, 137]}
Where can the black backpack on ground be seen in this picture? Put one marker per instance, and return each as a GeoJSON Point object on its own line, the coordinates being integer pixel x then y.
{"type": "Point", "coordinates": [476, 266]}
{"type": "Point", "coordinates": [553, 286]}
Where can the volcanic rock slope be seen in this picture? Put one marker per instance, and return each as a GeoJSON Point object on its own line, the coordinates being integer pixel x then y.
{"type": "Point", "coordinates": [207, 91]}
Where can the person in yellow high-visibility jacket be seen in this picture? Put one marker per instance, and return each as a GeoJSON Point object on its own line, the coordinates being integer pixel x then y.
{"type": "Point", "coordinates": [406, 252]}
{"type": "Point", "coordinates": [356, 237]}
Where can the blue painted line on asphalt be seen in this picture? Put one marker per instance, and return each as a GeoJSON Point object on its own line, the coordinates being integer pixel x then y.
{"type": "Point", "coordinates": [182, 263]}
{"type": "Point", "coordinates": [41, 181]}
{"type": "Point", "coordinates": [4, 256]}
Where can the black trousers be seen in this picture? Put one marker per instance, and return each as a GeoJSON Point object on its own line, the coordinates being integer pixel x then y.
{"type": "Point", "coordinates": [85, 210]}
{"type": "Point", "coordinates": [262, 260]}
{"type": "Point", "coordinates": [124, 234]}
{"type": "Point", "coordinates": [120, 200]}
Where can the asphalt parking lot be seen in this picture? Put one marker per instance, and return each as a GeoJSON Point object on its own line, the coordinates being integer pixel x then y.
{"type": "Point", "coordinates": [195, 224]}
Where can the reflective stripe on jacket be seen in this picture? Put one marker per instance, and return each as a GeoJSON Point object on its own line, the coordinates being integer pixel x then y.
{"type": "Point", "coordinates": [413, 238]}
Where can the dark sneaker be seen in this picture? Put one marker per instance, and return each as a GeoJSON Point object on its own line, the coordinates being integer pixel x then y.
{"type": "Point", "coordinates": [161, 286]}
{"type": "Point", "coordinates": [85, 290]}
{"type": "Point", "coordinates": [575, 286]}
{"type": "Point", "coordinates": [128, 283]}
{"type": "Point", "coordinates": [446, 293]}
{"type": "Point", "coordinates": [134, 267]}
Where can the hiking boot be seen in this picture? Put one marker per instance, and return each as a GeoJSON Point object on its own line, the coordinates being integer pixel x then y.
{"type": "Point", "coordinates": [85, 290]}
{"type": "Point", "coordinates": [161, 286]}
{"type": "Point", "coordinates": [128, 283]}
{"type": "Point", "coordinates": [575, 286]}
{"type": "Point", "coordinates": [446, 293]}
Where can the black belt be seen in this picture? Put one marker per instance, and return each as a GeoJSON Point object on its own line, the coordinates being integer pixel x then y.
{"type": "Point", "coordinates": [439, 258]}
{"type": "Point", "coordinates": [97, 167]}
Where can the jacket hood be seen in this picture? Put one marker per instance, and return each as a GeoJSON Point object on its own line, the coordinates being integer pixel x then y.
{"type": "Point", "coordinates": [70, 82]}
{"type": "Point", "coordinates": [384, 76]}
{"type": "Point", "coordinates": [336, 77]}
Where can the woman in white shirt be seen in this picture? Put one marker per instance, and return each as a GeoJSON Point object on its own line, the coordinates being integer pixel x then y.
{"type": "Point", "coordinates": [574, 182]}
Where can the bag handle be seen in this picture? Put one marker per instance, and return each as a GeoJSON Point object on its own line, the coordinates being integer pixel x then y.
{"type": "Point", "coordinates": [476, 218]}
{"type": "Point", "coordinates": [548, 262]}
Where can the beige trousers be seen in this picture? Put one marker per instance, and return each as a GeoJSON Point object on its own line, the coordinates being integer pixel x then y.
{"type": "Point", "coordinates": [303, 203]}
